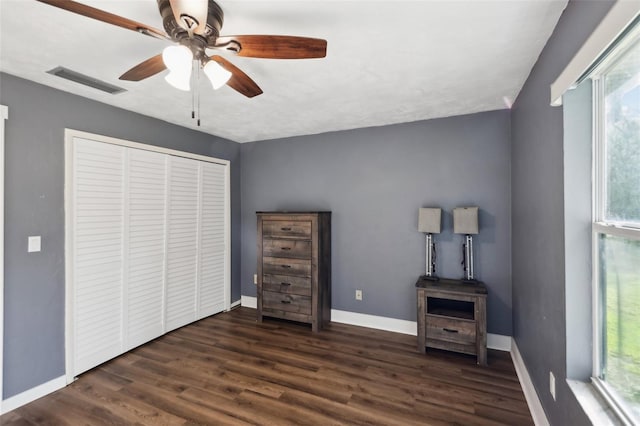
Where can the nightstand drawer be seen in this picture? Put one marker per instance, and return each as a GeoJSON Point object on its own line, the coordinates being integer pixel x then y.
{"type": "Point", "coordinates": [299, 249]}
{"type": "Point", "coordinates": [286, 302]}
{"type": "Point", "coordinates": [282, 266]}
{"type": "Point", "coordinates": [291, 229]}
{"type": "Point", "coordinates": [287, 284]}
{"type": "Point", "coordinates": [451, 329]}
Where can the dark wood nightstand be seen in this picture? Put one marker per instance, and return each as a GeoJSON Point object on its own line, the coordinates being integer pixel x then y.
{"type": "Point", "coordinates": [452, 315]}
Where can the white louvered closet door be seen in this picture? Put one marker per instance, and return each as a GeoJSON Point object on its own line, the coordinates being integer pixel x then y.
{"type": "Point", "coordinates": [145, 246]}
{"type": "Point", "coordinates": [182, 242]}
{"type": "Point", "coordinates": [148, 245]}
{"type": "Point", "coordinates": [97, 250]}
{"type": "Point", "coordinates": [211, 259]}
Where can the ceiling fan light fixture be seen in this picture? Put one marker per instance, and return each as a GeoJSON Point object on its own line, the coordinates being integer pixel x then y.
{"type": "Point", "coordinates": [179, 61]}
{"type": "Point", "coordinates": [179, 80]}
{"type": "Point", "coordinates": [177, 58]}
{"type": "Point", "coordinates": [217, 75]}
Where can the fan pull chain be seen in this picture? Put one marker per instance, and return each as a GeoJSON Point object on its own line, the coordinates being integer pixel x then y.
{"type": "Point", "coordinates": [193, 113]}
{"type": "Point", "coordinates": [198, 95]}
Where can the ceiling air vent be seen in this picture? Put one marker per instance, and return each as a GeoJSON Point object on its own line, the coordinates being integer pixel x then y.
{"type": "Point", "coordinates": [86, 80]}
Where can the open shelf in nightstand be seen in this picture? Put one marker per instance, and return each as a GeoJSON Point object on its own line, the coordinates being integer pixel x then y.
{"type": "Point", "coordinates": [450, 308]}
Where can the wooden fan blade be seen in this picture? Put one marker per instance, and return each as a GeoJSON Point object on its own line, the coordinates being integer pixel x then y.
{"type": "Point", "coordinates": [274, 46]}
{"type": "Point", "coordinates": [109, 18]}
{"type": "Point", "coordinates": [151, 66]}
{"type": "Point", "coordinates": [239, 81]}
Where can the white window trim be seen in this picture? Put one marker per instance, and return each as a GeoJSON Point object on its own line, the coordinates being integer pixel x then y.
{"type": "Point", "coordinates": [621, 14]}
{"type": "Point", "coordinates": [602, 227]}
{"type": "Point", "coordinates": [4, 115]}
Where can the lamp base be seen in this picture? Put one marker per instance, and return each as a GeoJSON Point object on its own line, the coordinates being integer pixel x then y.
{"type": "Point", "coordinates": [430, 277]}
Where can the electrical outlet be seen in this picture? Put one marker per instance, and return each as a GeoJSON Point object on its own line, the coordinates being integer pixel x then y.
{"type": "Point", "coordinates": [358, 294]}
{"type": "Point", "coordinates": [255, 278]}
{"type": "Point", "coordinates": [552, 385]}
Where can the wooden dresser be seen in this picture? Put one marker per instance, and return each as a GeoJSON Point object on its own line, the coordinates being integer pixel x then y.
{"type": "Point", "coordinates": [452, 315]}
{"type": "Point", "coordinates": [294, 267]}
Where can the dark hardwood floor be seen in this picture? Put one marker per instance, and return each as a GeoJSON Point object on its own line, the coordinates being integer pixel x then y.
{"type": "Point", "coordinates": [227, 369]}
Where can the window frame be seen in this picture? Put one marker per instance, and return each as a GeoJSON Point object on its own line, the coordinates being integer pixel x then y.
{"type": "Point", "coordinates": [601, 226]}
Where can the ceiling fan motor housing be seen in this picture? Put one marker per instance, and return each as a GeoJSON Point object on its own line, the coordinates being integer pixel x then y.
{"type": "Point", "coordinates": [177, 33]}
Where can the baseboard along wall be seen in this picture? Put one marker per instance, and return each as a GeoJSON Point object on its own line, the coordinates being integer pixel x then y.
{"type": "Point", "coordinates": [32, 394]}
{"type": "Point", "coordinates": [494, 341]}
{"type": "Point", "coordinates": [530, 394]}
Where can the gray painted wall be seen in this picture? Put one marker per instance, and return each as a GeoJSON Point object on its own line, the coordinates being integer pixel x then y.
{"type": "Point", "coordinates": [374, 180]}
{"type": "Point", "coordinates": [34, 205]}
{"type": "Point", "coordinates": [538, 216]}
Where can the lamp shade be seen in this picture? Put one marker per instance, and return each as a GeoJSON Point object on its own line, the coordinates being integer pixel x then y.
{"type": "Point", "coordinates": [429, 220]}
{"type": "Point", "coordinates": [465, 220]}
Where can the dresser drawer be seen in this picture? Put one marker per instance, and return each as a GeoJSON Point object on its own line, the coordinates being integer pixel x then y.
{"type": "Point", "coordinates": [283, 266]}
{"type": "Point", "coordinates": [292, 229]}
{"type": "Point", "coordinates": [451, 329]}
{"type": "Point", "coordinates": [286, 302]}
{"type": "Point", "coordinates": [287, 284]}
{"type": "Point", "coordinates": [300, 249]}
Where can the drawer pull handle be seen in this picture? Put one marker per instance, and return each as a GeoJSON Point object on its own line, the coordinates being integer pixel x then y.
{"type": "Point", "coordinates": [449, 330]}
{"type": "Point", "coordinates": [286, 302]}
{"type": "Point", "coordinates": [285, 284]}
{"type": "Point", "coordinates": [285, 229]}
{"type": "Point", "coordinates": [286, 248]}
{"type": "Point", "coordinates": [286, 266]}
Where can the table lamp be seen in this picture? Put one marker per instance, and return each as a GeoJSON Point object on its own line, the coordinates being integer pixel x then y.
{"type": "Point", "coordinates": [465, 221]}
{"type": "Point", "coordinates": [429, 223]}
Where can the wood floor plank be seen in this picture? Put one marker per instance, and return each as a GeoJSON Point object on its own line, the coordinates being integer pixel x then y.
{"type": "Point", "coordinates": [230, 370]}
{"type": "Point", "coordinates": [132, 410]}
{"type": "Point", "coordinates": [14, 419]}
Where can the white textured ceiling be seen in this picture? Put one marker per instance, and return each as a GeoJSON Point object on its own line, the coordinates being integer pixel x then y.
{"type": "Point", "coordinates": [387, 61]}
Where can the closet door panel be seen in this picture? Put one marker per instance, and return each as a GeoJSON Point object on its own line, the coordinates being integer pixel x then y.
{"type": "Point", "coordinates": [211, 298]}
{"type": "Point", "coordinates": [182, 242]}
{"type": "Point", "coordinates": [148, 246]}
{"type": "Point", "coordinates": [97, 249]}
{"type": "Point", "coordinates": [145, 246]}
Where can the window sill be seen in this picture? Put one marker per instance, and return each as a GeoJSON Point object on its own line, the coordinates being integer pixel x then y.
{"type": "Point", "coordinates": [596, 409]}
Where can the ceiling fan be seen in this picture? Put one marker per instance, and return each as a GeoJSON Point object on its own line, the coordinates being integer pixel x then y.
{"type": "Point", "coordinates": [194, 26]}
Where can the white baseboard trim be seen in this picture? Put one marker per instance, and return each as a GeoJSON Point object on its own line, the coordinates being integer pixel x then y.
{"type": "Point", "coordinates": [499, 342]}
{"type": "Point", "coordinates": [234, 304]}
{"type": "Point", "coordinates": [32, 394]}
{"type": "Point", "coordinates": [530, 394]}
{"type": "Point", "coordinates": [494, 341]}
{"type": "Point", "coordinates": [374, 321]}
{"type": "Point", "coordinates": [249, 302]}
